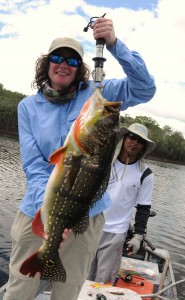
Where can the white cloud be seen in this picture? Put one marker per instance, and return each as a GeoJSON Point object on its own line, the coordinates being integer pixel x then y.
{"type": "Point", "coordinates": [29, 28]}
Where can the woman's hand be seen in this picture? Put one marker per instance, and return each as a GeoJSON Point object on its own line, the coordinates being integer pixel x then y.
{"type": "Point", "coordinates": [65, 236]}
{"type": "Point", "coordinates": [103, 28]}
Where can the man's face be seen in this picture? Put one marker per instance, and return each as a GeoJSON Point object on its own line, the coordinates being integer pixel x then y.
{"type": "Point", "coordinates": [62, 75]}
{"type": "Point", "coordinates": [133, 144]}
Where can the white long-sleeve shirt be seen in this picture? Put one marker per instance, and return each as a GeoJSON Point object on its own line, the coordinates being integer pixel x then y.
{"type": "Point", "coordinates": [126, 191]}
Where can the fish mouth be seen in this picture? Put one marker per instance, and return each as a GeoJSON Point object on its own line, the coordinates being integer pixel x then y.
{"type": "Point", "coordinates": [113, 107]}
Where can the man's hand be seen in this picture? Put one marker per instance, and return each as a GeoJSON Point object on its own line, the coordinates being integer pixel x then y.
{"type": "Point", "coordinates": [103, 28]}
{"type": "Point", "coordinates": [134, 244]}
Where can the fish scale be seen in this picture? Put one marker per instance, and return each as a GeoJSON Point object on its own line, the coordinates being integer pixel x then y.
{"type": "Point", "coordinates": [78, 180]}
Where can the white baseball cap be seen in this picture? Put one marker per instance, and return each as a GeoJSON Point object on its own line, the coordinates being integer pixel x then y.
{"type": "Point", "coordinates": [140, 130]}
{"type": "Point", "coordinates": [66, 42]}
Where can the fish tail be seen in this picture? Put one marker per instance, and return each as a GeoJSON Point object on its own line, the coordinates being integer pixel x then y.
{"type": "Point", "coordinates": [50, 269]}
{"type": "Point", "coordinates": [32, 265]}
{"type": "Point", "coordinates": [54, 269]}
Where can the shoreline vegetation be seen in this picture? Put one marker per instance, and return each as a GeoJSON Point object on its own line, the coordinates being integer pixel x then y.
{"type": "Point", "coordinates": [170, 145]}
{"type": "Point", "coordinates": [159, 159]}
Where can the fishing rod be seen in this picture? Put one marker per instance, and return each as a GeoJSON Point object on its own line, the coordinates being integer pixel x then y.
{"type": "Point", "coordinates": [98, 73]}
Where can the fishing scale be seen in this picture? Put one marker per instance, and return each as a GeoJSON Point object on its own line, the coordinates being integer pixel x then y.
{"type": "Point", "coordinates": [98, 73]}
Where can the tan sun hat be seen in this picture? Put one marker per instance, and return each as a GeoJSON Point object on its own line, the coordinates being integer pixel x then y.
{"type": "Point", "coordinates": [67, 42]}
{"type": "Point", "coordinates": [140, 130]}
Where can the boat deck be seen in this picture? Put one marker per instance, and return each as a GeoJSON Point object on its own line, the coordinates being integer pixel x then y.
{"type": "Point", "coordinates": [90, 290]}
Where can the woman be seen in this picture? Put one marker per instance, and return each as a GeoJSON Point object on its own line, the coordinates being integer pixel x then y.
{"type": "Point", "coordinates": [62, 80]}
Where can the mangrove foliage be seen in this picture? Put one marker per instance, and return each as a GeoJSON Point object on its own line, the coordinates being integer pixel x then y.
{"type": "Point", "coordinates": [170, 145]}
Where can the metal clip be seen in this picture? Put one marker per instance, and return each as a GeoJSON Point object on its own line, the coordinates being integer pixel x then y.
{"type": "Point", "coordinates": [101, 297]}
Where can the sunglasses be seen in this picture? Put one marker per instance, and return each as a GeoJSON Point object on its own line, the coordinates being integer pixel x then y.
{"type": "Point", "coordinates": [134, 137]}
{"type": "Point", "coordinates": [71, 61]}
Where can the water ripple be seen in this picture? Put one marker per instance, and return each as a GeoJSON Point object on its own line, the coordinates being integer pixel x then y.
{"type": "Point", "coordinates": [166, 229]}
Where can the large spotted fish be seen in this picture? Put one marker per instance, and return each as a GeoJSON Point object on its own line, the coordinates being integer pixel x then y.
{"type": "Point", "coordinates": [78, 180]}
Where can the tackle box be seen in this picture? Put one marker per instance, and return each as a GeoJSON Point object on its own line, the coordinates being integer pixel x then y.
{"type": "Point", "coordinates": [138, 284]}
{"type": "Point", "coordinates": [145, 269]}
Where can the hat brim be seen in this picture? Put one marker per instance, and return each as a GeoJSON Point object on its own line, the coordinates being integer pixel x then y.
{"type": "Point", "coordinates": [150, 143]}
{"type": "Point", "coordinates": [67, 46]}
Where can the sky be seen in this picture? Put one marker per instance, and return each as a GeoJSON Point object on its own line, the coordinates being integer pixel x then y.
{"type": "Point", "coordinates": [155, 29]}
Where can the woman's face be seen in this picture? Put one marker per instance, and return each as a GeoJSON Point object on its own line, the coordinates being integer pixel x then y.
{"type": "Point", "coordinates": [62, 75]}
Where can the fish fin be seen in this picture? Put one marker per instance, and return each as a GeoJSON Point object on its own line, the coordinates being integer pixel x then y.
{"type": "Point", "coordinates": [37, 225]}
{"type": "Point", "coordinates": [51, 269]}
{"type": "Point", "coordinates": [56, 155]}
{"type": "Point", "coordinates": [102, 188]}
{"type": "Point", "coordinates": [79, 122]}
{"type": "Point", "coordinates": [32, 265]}
{"type": "Point", "coordinates": [81, 227]}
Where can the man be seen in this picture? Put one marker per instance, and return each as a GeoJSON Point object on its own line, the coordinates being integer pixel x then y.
{"type": "Point", "coordinates": [126, 191]}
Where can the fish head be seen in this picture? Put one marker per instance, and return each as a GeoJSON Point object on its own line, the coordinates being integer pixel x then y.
{"type": "Point", "coordinates": [97, 123]}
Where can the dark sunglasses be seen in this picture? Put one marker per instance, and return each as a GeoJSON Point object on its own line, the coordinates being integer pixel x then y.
{"type": "Point", "coordinates": [71, 61]}
{"type": "Point", "coordinates": [134, 137]}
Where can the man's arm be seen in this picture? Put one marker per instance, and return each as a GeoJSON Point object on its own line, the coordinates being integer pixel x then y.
{"type": "Point", "coordinates": [141, 218]}
{"type": "Point", "coordinates": [142, 213]}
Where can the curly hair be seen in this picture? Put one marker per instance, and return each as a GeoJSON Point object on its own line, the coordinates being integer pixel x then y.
{"type": "Point", "coordinates": [41, 73]}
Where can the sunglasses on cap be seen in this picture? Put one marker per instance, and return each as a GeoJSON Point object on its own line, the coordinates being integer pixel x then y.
{"type": "Point", "coordinates": [134, 137]}
{"type": "Point", "coordinates": [71, 61]}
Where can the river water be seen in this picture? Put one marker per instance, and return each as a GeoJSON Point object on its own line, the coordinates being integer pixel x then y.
{"type": "Point", "coordinates": [165, 230]}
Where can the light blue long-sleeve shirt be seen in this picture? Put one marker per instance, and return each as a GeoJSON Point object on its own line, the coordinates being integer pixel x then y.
{"type": "Point", "coordinates": [43, 126]}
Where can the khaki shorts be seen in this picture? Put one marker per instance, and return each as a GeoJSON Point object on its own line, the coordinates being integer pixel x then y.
{"type": "Point", "coordinates": [76, 256]}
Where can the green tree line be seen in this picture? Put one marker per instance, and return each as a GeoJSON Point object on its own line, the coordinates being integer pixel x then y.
{"type": "Point", "coordinates": [8, 110]}
{"type": "Point", "coordinates": [170, 145]}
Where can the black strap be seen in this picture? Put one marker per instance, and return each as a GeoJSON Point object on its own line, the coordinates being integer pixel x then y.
{"type": "Point", "coordinates": [146, 172]}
